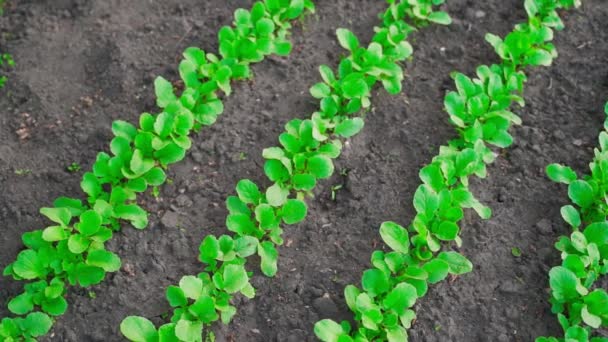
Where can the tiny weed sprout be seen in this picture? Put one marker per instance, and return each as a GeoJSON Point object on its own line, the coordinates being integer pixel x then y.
{"type": "Point", "coordinates": [480, 110]}
{"type": "Point", "coordinates": [516, 252]}
{"type": "Point", "coordinates": [71, 250]}
{"type": "Point", "coordinates": [74, 167]}
{"type": "Point", "coordinates": [304, 157]}
{"type": "Point", "coordinates": [581, 306]}
{"type": "Point", "coordinates": [6, 61]}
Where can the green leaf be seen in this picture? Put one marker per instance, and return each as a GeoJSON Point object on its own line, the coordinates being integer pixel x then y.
{"type": "Point", "coordinates": [235, 278]}
{"type": "Point", "coordinates": [437, 270]}
{"type": "Point", "coordinates": [539, 57]}
{"type": "Point", "coordinates": [328, 330]}
{"type": "Point", "coordinates": [597, 233]}
{"type": "Point", "coordinates": [164, 92]}
{"type": "Point", "coordinates": [320, 91]}
{"type": "Point", "coordinates": [396, 334]}
{"type": "Point", "coordinates": [320, 166]}
{"type": "Point", "coordinates": [282, 48]}
{"type": "Point", "coordinates": [597, 302]}
{"type": "Point", "coordinates": [327, 74]}
{"type": "Point", "coordinates": [240, 223]}
{"type": "Point", "coordinates": [268, 255]}
{"type": "Point", "coordinates": [590, 319]}
{"type": "Point", "coordinates": [90, 223]}
{"type": "Point", "coordinates": [155, 176]}
{"type": "Point", "coordinates": [455, 106]}
{"type": "Point", "coordinates": [425, 201]}
{"type": "Point", "coordinates": [349, 127]}
{"type": "Point", "coordinates": [140, 165]}
{"type": "Point", "coordinates": [561, 174]}
{"type": "Point", "coordinates": [395, 236]}
{"type": "Point", "coordinates": [564, 284]}
{"type": "Point", "coordinates": [571, 216]}
{"type": "Point", "coordinates": [248, 192]}
{"type": "Point", "coordinates": [458, 264]}
{"type": "Point", "coordinates": [293, 211]}
{"type": "Point", "coordinates": [138, 329]}
{"type": "Point", "coordinates": [109, 261]}
{"type": "Point", "coordinates": [176, 296]}
{"type": "Point", "coordinates": [581, 193]}
{"type": "Point", "coordinates": [204, 309]}
{"type": "Point", "coordinates": [55, 307]}
{"type": "Point", "coordinates": [89, 275]}
{"type": "Point", "coordinates": [375, 282]}
{"type": "Point", "coordinates": [440, 17]}
{"type": "Point", "coordinates": [55, 233]}
{"type": "Point", "coordinates": [264, 27]}
{"type": "Point", "coordinates": [304, 182]}
{"type": "Point", "coordinates": [354, 86]}
{"type": "Point", "coordinates": [57, 215]}
{"type": "Point", "coordinates": [133, 213]}
{"type": "Point", "coordinates": [78, 243]}
{"type": "Point", "coordinates": [192, 286]}
{"type": "Point", "coordinates": [265, 215]}
{"type": "Point", "coordinates": [163, 126]}
{"type": "Point", "coordinates": [90, 185]}
{"type": "Point", "coordinates": [21, 304]}
{"type": "Point", "coordinates": [447, 231]}
{"type": "Point", "coordinates": [124, 129]}
{"type": "Point", "coordinates": [28, 265]}
{"type": "Point", "coordinates": [245, 246]}
{"type": "Point", "coordinates": [402, 297]}
{"type": "Point", "coordinates": [276, 195]}
{"type": "Point", "coordinates": [37, 324]}
{"type": "Point", "coordinates": [347, 39]}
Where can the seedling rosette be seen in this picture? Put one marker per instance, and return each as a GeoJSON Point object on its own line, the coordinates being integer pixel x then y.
{"type": "Point", "coordinates": [581, 306]}
{"type": "Point", "coordinates": [480, 110]}
{"type": "Point", "coordinates": [305, 156]}
{"type": "Point", "coordinates": [71, 251]}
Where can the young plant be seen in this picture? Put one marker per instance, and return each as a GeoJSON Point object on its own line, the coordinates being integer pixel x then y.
{"type": "Point", "coordinates": [6, 60]}
{"type": "Point", "coordinates": [71, 250]}
{"type": "Point", "coordinates": [480, 110]}
{"type": "Point", "coordinates": [581, 306]}
{"type": "Point", "coordinates": [307, 148]}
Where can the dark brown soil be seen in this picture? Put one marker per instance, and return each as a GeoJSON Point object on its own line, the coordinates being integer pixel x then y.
{"type": "Point", "coordinates": [83, 63]}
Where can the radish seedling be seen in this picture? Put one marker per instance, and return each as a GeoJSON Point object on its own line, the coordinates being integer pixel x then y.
{"type": "Point", "coordinates": [71, 250]}
{"type": "Point", "coordinates": [480, 109]}
{"type": "Point", "coordinates": [580, 305]}
{"type": "Point", "coordinates": [304, 157]}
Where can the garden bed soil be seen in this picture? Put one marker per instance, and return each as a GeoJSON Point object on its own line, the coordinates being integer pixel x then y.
{"type": "Point", "coordinates": [82, 63]}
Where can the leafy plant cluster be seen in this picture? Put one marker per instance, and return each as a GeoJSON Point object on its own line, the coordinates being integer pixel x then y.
{"type": "Point", "coordinates": [304, 157]}
{"type": "Point", "coordinates": [71, 251]}
{"type": "Point", "coordinates": [581, 307]}
{"type": "Point", "coordinates": [480, 110]}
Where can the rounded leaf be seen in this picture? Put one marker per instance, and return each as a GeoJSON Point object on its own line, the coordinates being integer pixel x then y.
{"type": "Point", "coordinates": [395, 236]}
{"type": "Point", "coordinates": [37, 324]}
{"type": "Point", "coordinates": [235, 278]}
{"type": "Point", "coordinates": [248, 192]}
{"type": "Point", "coordinates": [561, 174]}
{"type": "Point", "coordinates": [457, 263]}
{"type": "Point", "coordinates": [375, 282]}
{"type": "Point", "coordinates": [138, 329]}
{"type": "Point", "coordinates": [294, 211]}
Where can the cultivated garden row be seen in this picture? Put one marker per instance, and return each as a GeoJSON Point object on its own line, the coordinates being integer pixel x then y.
{"type": "Point", "coordinates": [71, 251]}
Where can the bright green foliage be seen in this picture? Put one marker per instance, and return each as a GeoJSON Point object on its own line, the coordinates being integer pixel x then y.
{"type": "Point", "coordinates": [480, 109]}
{"type": "Point", "coordinates": [71, 250]}
{"type": "Point", "coordinates": [305, 155]}
{"type": "Point", "coordinates": [579, 307]}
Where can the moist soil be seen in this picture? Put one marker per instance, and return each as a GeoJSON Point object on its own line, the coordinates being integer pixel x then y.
{"type": "Point", "coordinates": [80, 64]}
